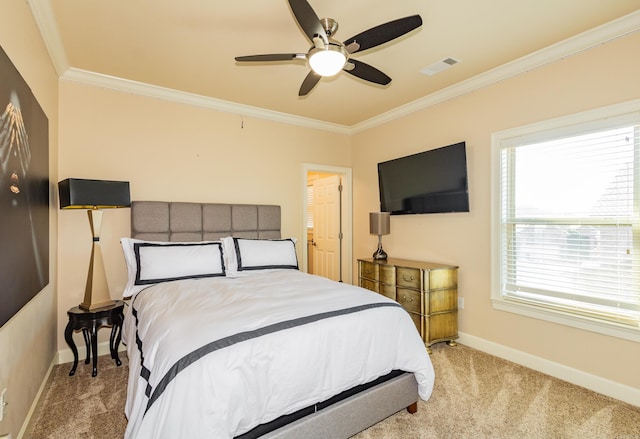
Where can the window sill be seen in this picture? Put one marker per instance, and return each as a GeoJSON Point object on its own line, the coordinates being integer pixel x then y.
{"type": "Point", "coordinates": [563, 318]}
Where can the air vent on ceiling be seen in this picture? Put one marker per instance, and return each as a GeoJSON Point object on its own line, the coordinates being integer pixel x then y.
{"type": "Point", "coordinates": [439, 66]}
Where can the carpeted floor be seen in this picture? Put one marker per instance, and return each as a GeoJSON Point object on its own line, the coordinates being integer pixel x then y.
{"type": "Point", "coordinates": [81, 406]}
{"type": "Point", "coordinates": [475, 396]}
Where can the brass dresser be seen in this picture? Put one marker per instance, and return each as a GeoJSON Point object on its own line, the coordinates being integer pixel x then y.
{"type": "Point", "coordinates": [428, 291]}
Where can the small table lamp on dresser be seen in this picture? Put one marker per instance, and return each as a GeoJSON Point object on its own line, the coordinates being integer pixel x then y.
{"type": "Point", "coordinates": [379, 224]}
{"type": "Point", "coordinates": [94, 195]}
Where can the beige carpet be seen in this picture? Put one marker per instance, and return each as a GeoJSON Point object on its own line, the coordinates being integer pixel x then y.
{"type": "Point", "coordinates": [81, 406]}
{"type": "Point", "coordinates": [475, 396]}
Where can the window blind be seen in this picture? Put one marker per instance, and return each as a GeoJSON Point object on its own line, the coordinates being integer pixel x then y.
{"type": "Point", "coordinates": [570, 219]}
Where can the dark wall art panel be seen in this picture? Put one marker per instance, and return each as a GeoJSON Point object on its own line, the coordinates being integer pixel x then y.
{"type": "Point", "coordinates": [24, 192]}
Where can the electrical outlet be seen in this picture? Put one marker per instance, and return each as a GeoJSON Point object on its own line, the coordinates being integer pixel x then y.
{"type": "Point", "coordinates": [460, 302]}
{"type": "Point", "coordinates": [3, 403]}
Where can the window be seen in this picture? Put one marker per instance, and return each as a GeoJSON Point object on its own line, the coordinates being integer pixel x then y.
{"type": "Point", "coordinates": [566, 223]}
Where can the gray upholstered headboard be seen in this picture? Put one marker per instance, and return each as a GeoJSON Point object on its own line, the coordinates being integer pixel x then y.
{"type": "Point", "coordinates": [182, 221]}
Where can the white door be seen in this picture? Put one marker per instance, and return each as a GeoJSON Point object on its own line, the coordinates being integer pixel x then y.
{"type": "Point", "coordinates": [327, 237]}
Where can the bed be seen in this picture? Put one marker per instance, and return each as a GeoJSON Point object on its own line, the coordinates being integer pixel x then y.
{"type": "Point", "coordinates": [226, 338]}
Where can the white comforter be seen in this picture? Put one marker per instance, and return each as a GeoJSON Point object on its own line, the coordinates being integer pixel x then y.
{"type": "Point", "coordinates": [203, 381]}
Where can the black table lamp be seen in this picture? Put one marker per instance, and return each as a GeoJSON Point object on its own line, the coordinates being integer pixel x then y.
{"type": "Point", "coordinates": [379, 224]}
{"type": "Point", "coordinates": [94, 195]}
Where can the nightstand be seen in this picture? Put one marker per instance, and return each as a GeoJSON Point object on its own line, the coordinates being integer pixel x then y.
{"type": "Point", "coordinates": [89, 322]}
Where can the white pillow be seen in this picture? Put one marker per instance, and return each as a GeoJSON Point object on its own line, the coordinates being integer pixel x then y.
{"type": "Point", "coordinates": [245, 256]}
{"type": "Point", "coordinates": [152, 262]}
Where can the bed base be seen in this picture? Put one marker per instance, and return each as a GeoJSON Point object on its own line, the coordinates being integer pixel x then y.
{"type": "Point", "coordinates": [353, 414]}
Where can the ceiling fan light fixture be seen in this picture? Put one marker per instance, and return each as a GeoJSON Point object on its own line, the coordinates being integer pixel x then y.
{"type": "Point", "coordinates": [327, 57]}
{"type": "Point", "coordinates": [328, 60]}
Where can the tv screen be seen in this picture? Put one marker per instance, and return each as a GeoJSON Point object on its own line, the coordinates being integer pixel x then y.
{"type": "Point", "coordinates": [433, 181]}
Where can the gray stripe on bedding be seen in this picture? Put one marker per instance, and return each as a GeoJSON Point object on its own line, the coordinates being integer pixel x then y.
{"type": "Point", "coordinates": [248, 335]}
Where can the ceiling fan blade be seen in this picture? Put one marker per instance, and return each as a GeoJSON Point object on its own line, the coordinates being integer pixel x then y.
{"type": "Point", "coordinates": [309, 82]}
{"type": "Point", "coordinates": [366, 72]}
{"type": "Point", "coordinates": [271, 57]}
{"type": "Point", "coordinates": [308, 20]}
{"type": "Point", "coordinates": [383, 33]}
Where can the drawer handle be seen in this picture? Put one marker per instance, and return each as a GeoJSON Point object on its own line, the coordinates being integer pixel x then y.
{"type": "Point", "coordinates": [368, 271]}
{"type": "Point", "coordinates": [407, 278]}
{"type": "Point", "coordinates": [404, 299]}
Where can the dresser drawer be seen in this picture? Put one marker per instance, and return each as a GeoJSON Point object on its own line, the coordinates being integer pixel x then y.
{"type": "Point", "coordinates": [408, 277]}
{"type": "Point", "coordinates": [441, 327]}
{"type": "Point", "coordinates": [369, 270]}
{"type": "Point", "coordinates": [441, 279]}
{"type": "Point", "coordinates": [387, 274]}
{"type": "Point", "coordinates": [388, 290]}
{"type": "Point", "coordinates": [417, 320]}
{"type": "Point", "coordinates": [369, 284]}
{"type": "Point", "coordinates": [441, 300]}
{"type": "Point", "coordinates": [409, 299]}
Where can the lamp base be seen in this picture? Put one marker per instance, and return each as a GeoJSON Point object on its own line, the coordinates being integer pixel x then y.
{"type": "Point", "coordinates": [95, 306]}
{"type": "Point", "coordinates": [96, 293]}
{"type": "Point", "coordinates": [380, 253]}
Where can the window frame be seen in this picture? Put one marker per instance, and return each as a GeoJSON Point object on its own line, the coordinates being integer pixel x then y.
{"type": "Point", "coordinates": [522, 307]}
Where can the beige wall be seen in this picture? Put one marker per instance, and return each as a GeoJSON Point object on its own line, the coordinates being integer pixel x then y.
{"type": "Point", "coordinates": [28, 340]}
{"type": "Point", "coordinates": [170, 151]}
{"type": "Point", "coordinates": [599, 77]}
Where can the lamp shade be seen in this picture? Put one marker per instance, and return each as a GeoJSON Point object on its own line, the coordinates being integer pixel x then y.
{"type": "Point", "coordinates": [76, 193]}
{"type": "Point", "coordinates": [379, 223]}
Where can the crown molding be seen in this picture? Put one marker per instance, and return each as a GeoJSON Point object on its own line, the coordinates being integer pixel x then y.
{"type": "Point", "coordinates": [43, 15]}
{"type": "Point", "coordinates": [181, 97]}
{"type": "Point", "coordinates": [595, 37]}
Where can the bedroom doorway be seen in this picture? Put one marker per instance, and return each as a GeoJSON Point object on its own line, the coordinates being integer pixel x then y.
{"type": "Point", "coordinates": [327, 222]}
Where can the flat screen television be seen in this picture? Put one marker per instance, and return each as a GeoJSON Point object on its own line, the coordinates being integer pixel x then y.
{"type": "Point", "coordinates": [433, 181]}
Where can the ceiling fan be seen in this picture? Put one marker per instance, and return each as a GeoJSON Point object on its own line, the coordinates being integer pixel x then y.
{"type": "Point", "coordinates": [327, 56]}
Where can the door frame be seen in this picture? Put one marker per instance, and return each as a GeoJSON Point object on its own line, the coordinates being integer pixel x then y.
{"type": "Point", "coordinates": [347, 216]}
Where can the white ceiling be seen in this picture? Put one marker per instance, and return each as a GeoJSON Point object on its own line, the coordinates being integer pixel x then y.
{"type": "Point", "coordinates": [189, 46]}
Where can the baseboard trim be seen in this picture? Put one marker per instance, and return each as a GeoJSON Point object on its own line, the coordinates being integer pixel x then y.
{"type": "Point", "coordinates": [622, 392]}
{"type": "Point", "coordinates": [35, 405]}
